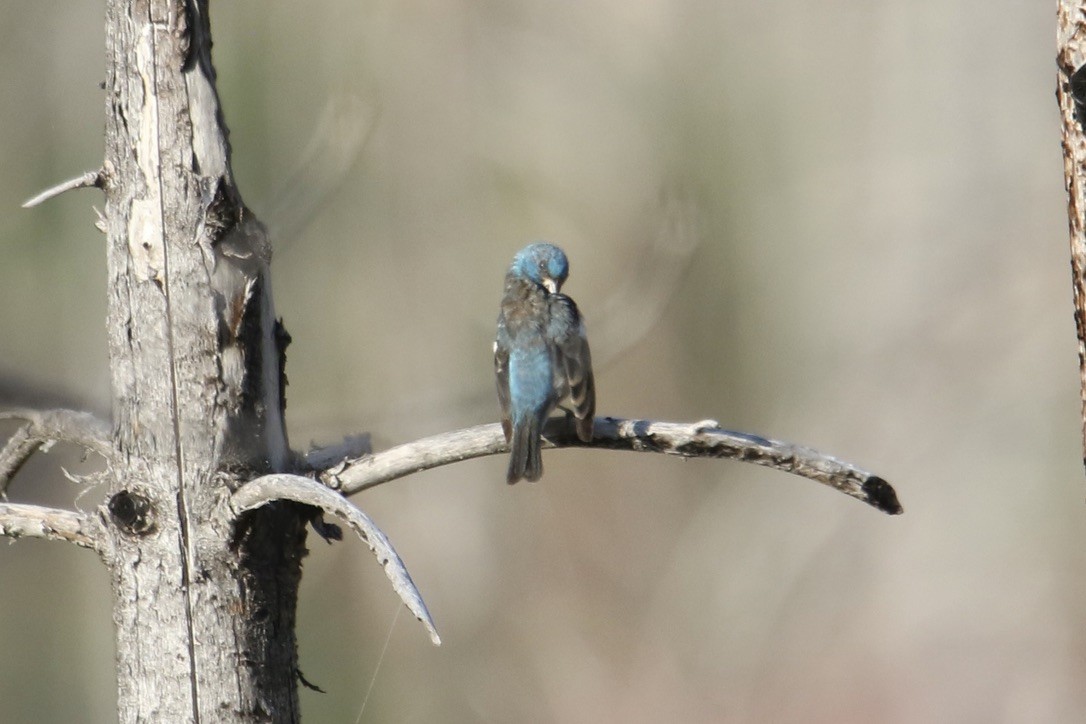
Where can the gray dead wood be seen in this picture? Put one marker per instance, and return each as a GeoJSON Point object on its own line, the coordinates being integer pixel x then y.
{"type": "Point", "coordinates": [1071, 95]}
{"type": "Point", "coordinates": [690, 440]}
{"type": "Point", "coordinates": [35, 521]}
{"type": "Point", "coordinates": [43, 427]}
{"type": "Point", "coordinates": [204, 599]}
{"type": "Point", "coordinates": [272, 488]}
{"type": "Point", "coordinates": [204, 614]}
{"type": "Point", "coordinates": [86, 180]}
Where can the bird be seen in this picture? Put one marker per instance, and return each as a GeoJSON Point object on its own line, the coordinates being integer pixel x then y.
{"type": "Point", "coordinates": [541, 357]}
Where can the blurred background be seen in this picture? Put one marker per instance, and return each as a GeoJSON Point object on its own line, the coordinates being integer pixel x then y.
{"type": "Point", "coordinates": [841, 225]}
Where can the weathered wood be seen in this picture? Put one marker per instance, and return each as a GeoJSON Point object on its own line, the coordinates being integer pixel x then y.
{"type": "Point", "coordinates": [703, 439]}
{"type": "Point", "coordinates": [1071, 95]}
{"type": "Point", "coordinates": [35, 521]}
{"type": "Point", "coordinates": [204, 618]}
{"type": "Point", "coordinates": [47, 426]}
{"type": "Point", "coordinates": [277, 487]}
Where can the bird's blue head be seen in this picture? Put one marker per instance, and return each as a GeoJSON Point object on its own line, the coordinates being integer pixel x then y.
{"type": "Point", "coordinates": [544, 264]}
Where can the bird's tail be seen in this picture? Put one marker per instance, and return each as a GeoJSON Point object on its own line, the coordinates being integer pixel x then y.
{"type": "Point", "coordinates": [525, 461]}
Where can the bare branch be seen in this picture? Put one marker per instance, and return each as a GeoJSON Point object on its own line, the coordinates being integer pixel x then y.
{"type": "Point", "coordinates": [303, 490]}
{"type": "Point", "coordinates": [71, 426]}
{"type": "Point", "coordinates": [35, 521]}
{"type": "Point", "coordinates": [90, 178]}
{"type": "Point", "coordinates": [16, 451]}
{"type": "Point", "coordinates": [44, 426]}
{"type": "Point", "coordinates": [700, 439]}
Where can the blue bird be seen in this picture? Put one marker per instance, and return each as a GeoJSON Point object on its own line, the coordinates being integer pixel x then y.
{"type": "Point", "coordinates": [541, 357]}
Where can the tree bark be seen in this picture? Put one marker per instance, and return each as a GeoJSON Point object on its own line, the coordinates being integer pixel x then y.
{"type": "Point", "coordinates": [204, 617]}
{"type": "Point", "coordinates": [1071, 95]}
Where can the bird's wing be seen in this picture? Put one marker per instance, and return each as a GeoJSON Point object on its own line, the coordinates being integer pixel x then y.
{"type": "Point", "coordinates": [567, 331]}
{"type": "Point", "coordinates": [501, 374]}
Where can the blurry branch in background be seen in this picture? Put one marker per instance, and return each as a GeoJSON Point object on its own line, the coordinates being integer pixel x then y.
{"type": "Point", "coordinates": [271, 488]}
{"type": "Point", "coordinates": [688, 440]}
{"type": "Point", "coordinates": [633, 309]}
{"type": "Point", "coordinates": [17, 392]}
{"type": "Point", "coordinates": [353, 446]}
{"type": "Point", "coordinates": [35, 521]}
{"type": "Point", "coordinates": [333, 149]}
{"type": "Point", "coordinates": [44, 427]}
{"type": "Point", "coordinates": [89, 179]}
{"type": "Point", "coordinates": [1071, 95]}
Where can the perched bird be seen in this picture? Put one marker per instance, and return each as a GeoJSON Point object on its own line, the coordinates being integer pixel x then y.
{"type": "Point", "coordinates": [541, 357]}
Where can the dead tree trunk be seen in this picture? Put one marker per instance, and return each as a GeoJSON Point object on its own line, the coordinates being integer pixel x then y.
{"type": "Point", "coordinates": [205, 568]}
{"type": "Point", "coordinates": [204, 617]}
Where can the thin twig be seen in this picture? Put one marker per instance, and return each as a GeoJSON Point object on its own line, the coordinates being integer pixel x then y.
{"type": "Point", "coordinates": [270, 488]}
{"type": "Point", "coordinates": [43, 426]}
{"type": "Point", "coordinates": [35, 521]}
{"type": "Point", "coordinates": [377, 668]}
{"type": "Point", "coordinates": [90, 178]}
{"type": "Point", "coordinates": [700, 439]}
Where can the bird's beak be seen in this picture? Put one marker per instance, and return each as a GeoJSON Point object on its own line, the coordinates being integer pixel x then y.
{"type": "Point", "coordinates": [549, 285]}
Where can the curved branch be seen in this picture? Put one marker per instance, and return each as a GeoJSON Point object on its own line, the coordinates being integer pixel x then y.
{"type": "Point", "coordinates": [16, 451]}
{"type": "Point", "coordinates": [44, 426]}
{"type": "Point", "coordinates": [35, 521]}
{"type": "Point", "coordinates": [270, 488]}
{"type": "Point", "coordinates": [700, 439]}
